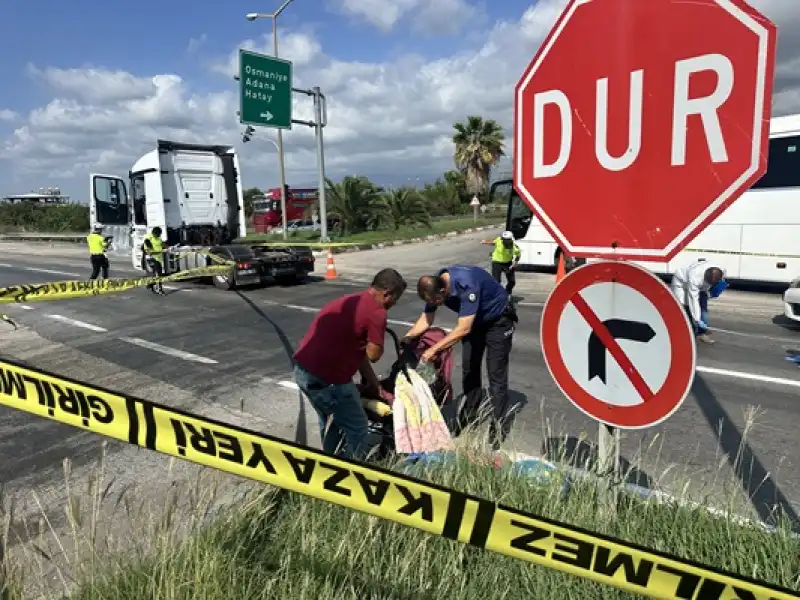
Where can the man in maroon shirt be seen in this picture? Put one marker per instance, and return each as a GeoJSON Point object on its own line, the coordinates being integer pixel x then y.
{"type": "Point", "coordinates": [346, 336]}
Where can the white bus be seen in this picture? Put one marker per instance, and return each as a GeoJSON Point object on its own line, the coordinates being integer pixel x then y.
{"type": "Point", "coordinates": [757, 239]}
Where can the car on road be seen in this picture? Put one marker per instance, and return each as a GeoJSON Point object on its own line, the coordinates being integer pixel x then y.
{"type": "Point", "coordinates": [255, 264]}
{"type": "Point", "coordinates": [791, 301]}
{"type": "Point", "coordinates": [296, 226]}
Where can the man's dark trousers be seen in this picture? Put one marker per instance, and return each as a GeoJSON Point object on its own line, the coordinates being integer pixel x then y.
{"type": "Point", "coordinates": [498, 268]}
{"type": "Point", "coordinates": [158, 271]}
{"type": "Point", "coordinates": [494, 339]}
{"type": "Point", "coordinates": [99, 262]}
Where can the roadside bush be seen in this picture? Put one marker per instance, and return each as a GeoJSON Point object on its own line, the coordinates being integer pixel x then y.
{"type": "Point", "coordinates": [61, 218]}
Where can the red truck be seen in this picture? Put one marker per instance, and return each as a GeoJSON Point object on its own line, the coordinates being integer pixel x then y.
{"type": "Point", "coordinates": [267, 211]}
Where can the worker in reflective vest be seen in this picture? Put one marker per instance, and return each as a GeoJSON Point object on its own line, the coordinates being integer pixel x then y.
{"type": "Point", "coordinates": [505, 257]}
{"type": "Point", "coordinates": [97, 252]}
{"type": "Point", "coordinates": [154, 249]}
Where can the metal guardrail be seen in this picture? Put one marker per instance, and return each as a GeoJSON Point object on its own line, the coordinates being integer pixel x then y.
{"type": "Point", "coordinates": [78, 238]}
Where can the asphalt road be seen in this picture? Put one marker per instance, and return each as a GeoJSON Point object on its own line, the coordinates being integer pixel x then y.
{"type": "Point", "coordinates": [226, 354]}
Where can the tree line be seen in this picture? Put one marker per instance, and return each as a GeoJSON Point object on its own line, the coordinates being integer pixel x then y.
{"type": "Point", "coordinates": [356, 202]}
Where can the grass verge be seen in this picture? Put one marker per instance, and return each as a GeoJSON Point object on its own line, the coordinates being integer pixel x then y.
{"type": "Point", "coordinates": [390, 235]}
{"type": "Point", "coordinates": [271, 544]}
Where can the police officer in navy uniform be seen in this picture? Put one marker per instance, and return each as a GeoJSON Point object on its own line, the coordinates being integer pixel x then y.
{"type": "Point", "coordinates": [485, 326]}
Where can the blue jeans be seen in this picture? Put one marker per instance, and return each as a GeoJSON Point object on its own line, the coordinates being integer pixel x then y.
{"type": "Point", "coordinates": [703, 299]}
{"type": "Point", "coordinates": [343, 403]}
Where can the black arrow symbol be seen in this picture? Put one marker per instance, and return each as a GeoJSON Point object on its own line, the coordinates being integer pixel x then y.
{"type": "Point", "coordinates": [619, 329]}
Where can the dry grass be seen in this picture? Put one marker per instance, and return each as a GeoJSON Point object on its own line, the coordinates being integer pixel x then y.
{"type": "Point", "coordinates": [263, 543]}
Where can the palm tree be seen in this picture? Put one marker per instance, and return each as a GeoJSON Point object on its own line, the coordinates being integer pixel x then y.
{"type": "Point", "coordinates": [404, 206]}
{"type": "Point", "coordinates": [354, 201]}
{"type": "Point", "coordinates": [479, 145]}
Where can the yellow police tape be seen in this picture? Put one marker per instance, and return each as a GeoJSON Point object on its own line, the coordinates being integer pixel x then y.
{"type": "Point", "coordinates": [68, 290]}
{"type": "Point", "coordinates": [322, 245]}
{"type": "Point", "coordinates": [736, 253]}
{"type": "Point", "coordinates": [372, 490]}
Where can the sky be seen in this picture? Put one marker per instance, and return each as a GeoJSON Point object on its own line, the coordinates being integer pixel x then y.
{"type": "Point", "coordinates": [89, 86]}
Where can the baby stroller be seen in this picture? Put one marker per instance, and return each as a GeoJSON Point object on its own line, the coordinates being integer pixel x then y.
{"type": "Point", "coordinates": [379, 411]}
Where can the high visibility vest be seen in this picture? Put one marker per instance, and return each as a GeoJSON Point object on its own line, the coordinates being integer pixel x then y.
{"type": "Point", "coordinates": [156, 247]}
{"type": "Point", "coordinates": [96, 243]}
{"type": "Point", "coordinates": [501, 254]}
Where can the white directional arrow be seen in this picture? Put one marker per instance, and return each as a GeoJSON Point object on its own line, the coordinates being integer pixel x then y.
{"type": "Point", "coordinates": [266, 115]}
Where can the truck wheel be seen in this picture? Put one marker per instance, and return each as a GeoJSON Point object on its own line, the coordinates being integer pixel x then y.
{"type": "Point", "coordinates": [223, 282]}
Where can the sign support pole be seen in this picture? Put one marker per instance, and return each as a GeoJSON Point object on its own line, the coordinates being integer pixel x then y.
{"type": "Point", "coordinates": [281, 164]}
{"type": "Point", "coordinates": [320, 120]}
{"type": "Point", "coordinates": [608, 452]}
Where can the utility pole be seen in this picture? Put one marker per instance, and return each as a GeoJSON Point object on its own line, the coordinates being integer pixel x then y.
{"type": "Point", "coordinates": [320, 120]}
{"type": "Point", "coordinates": [281, 164]}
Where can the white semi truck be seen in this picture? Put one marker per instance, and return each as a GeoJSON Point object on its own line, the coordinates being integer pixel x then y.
{"type": "Point", "coordinates": [193, 192]}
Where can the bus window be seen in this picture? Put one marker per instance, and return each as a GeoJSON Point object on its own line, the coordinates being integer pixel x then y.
{"type": "Point", "coordinates": [500, 192]}
{"type": "Point", "coordinates": [783, 164]}
{"type": "Point", "coordinates": [519, 216]}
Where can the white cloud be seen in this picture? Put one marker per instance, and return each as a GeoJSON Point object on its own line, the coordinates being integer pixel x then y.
{"type": "Point", "coordinates": [8, 115]}
{"type": "Point", "coordinates": [94, 85]}
{"type": "Point", "coordinates": [195, 43]}
{"type": "Point", "coordinates": [302, 48]}
{"type": "Point", "coordinates": [385, 118]}
{"type": "Point", "coordinates": [441, 16]}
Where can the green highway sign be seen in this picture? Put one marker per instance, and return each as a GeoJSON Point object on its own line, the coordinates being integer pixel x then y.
{"type": "Point", "coordinates": [265, 90]}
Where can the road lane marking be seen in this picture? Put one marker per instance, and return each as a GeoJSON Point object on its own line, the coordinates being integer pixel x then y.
{"type": "Point", "coordinates": [784, 340]}
{"type": "Point", "coordinates": [288, 384]}
{"type": "Point", "coordinates": [52, 271]}
{"type": "Point", "coordinates": [76, 323]}
{"type": "Point", "coordinates": [409, 324]}
{"type": "Point", "coordinates": [748, 376]}
{"type": "Point", "coordinates": [311, 309]}
{"type": "Point", "coordinates": [301, 308]}
{"type": "Point", "coordinates": [25, 307]}
{"type": "Point", "coordinates": [6, 266]}
{"type": "Point", "coordinates": [176, 288]}
{"type": "Point", "coordinates": [168, 351]}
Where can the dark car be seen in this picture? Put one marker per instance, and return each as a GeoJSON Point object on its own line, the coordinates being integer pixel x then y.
{"type": "Point", "coordinates": [255, 264]}
{"type": "Point", "coordinates": [275, 258]}
{"type": "Point", "coordinates": [247, 270]}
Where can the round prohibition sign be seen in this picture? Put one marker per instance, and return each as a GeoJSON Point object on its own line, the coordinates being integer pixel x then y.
{"type": "Point", "coordinates": [565, 350]}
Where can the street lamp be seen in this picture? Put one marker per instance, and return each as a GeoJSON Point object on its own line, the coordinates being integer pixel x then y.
{"type": "Point", "coordinates": [274, 17]}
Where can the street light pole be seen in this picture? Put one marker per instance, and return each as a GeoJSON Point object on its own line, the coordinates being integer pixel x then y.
{"type": "Point", "coordinates": [281, 164]}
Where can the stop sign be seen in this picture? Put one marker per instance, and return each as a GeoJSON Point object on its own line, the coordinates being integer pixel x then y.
{"type": "Point", "coordinates": [639, 121]}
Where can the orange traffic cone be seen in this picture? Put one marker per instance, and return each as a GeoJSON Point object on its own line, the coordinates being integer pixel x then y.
{"type": "Point", "coordinates": [331, 272]}
{"type": "Point", "coordinates": [562, 270]}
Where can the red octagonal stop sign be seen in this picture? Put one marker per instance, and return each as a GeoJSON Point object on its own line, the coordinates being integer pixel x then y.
{"type": "Point", "coordinates": [639, 121]}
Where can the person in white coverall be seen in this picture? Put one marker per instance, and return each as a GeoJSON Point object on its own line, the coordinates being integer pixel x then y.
{"type": "Point", "coordinates": [691, 285]}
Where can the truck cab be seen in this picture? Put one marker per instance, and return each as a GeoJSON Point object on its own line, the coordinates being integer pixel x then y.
{"type": "Point", "coordinates": [192, 191]}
